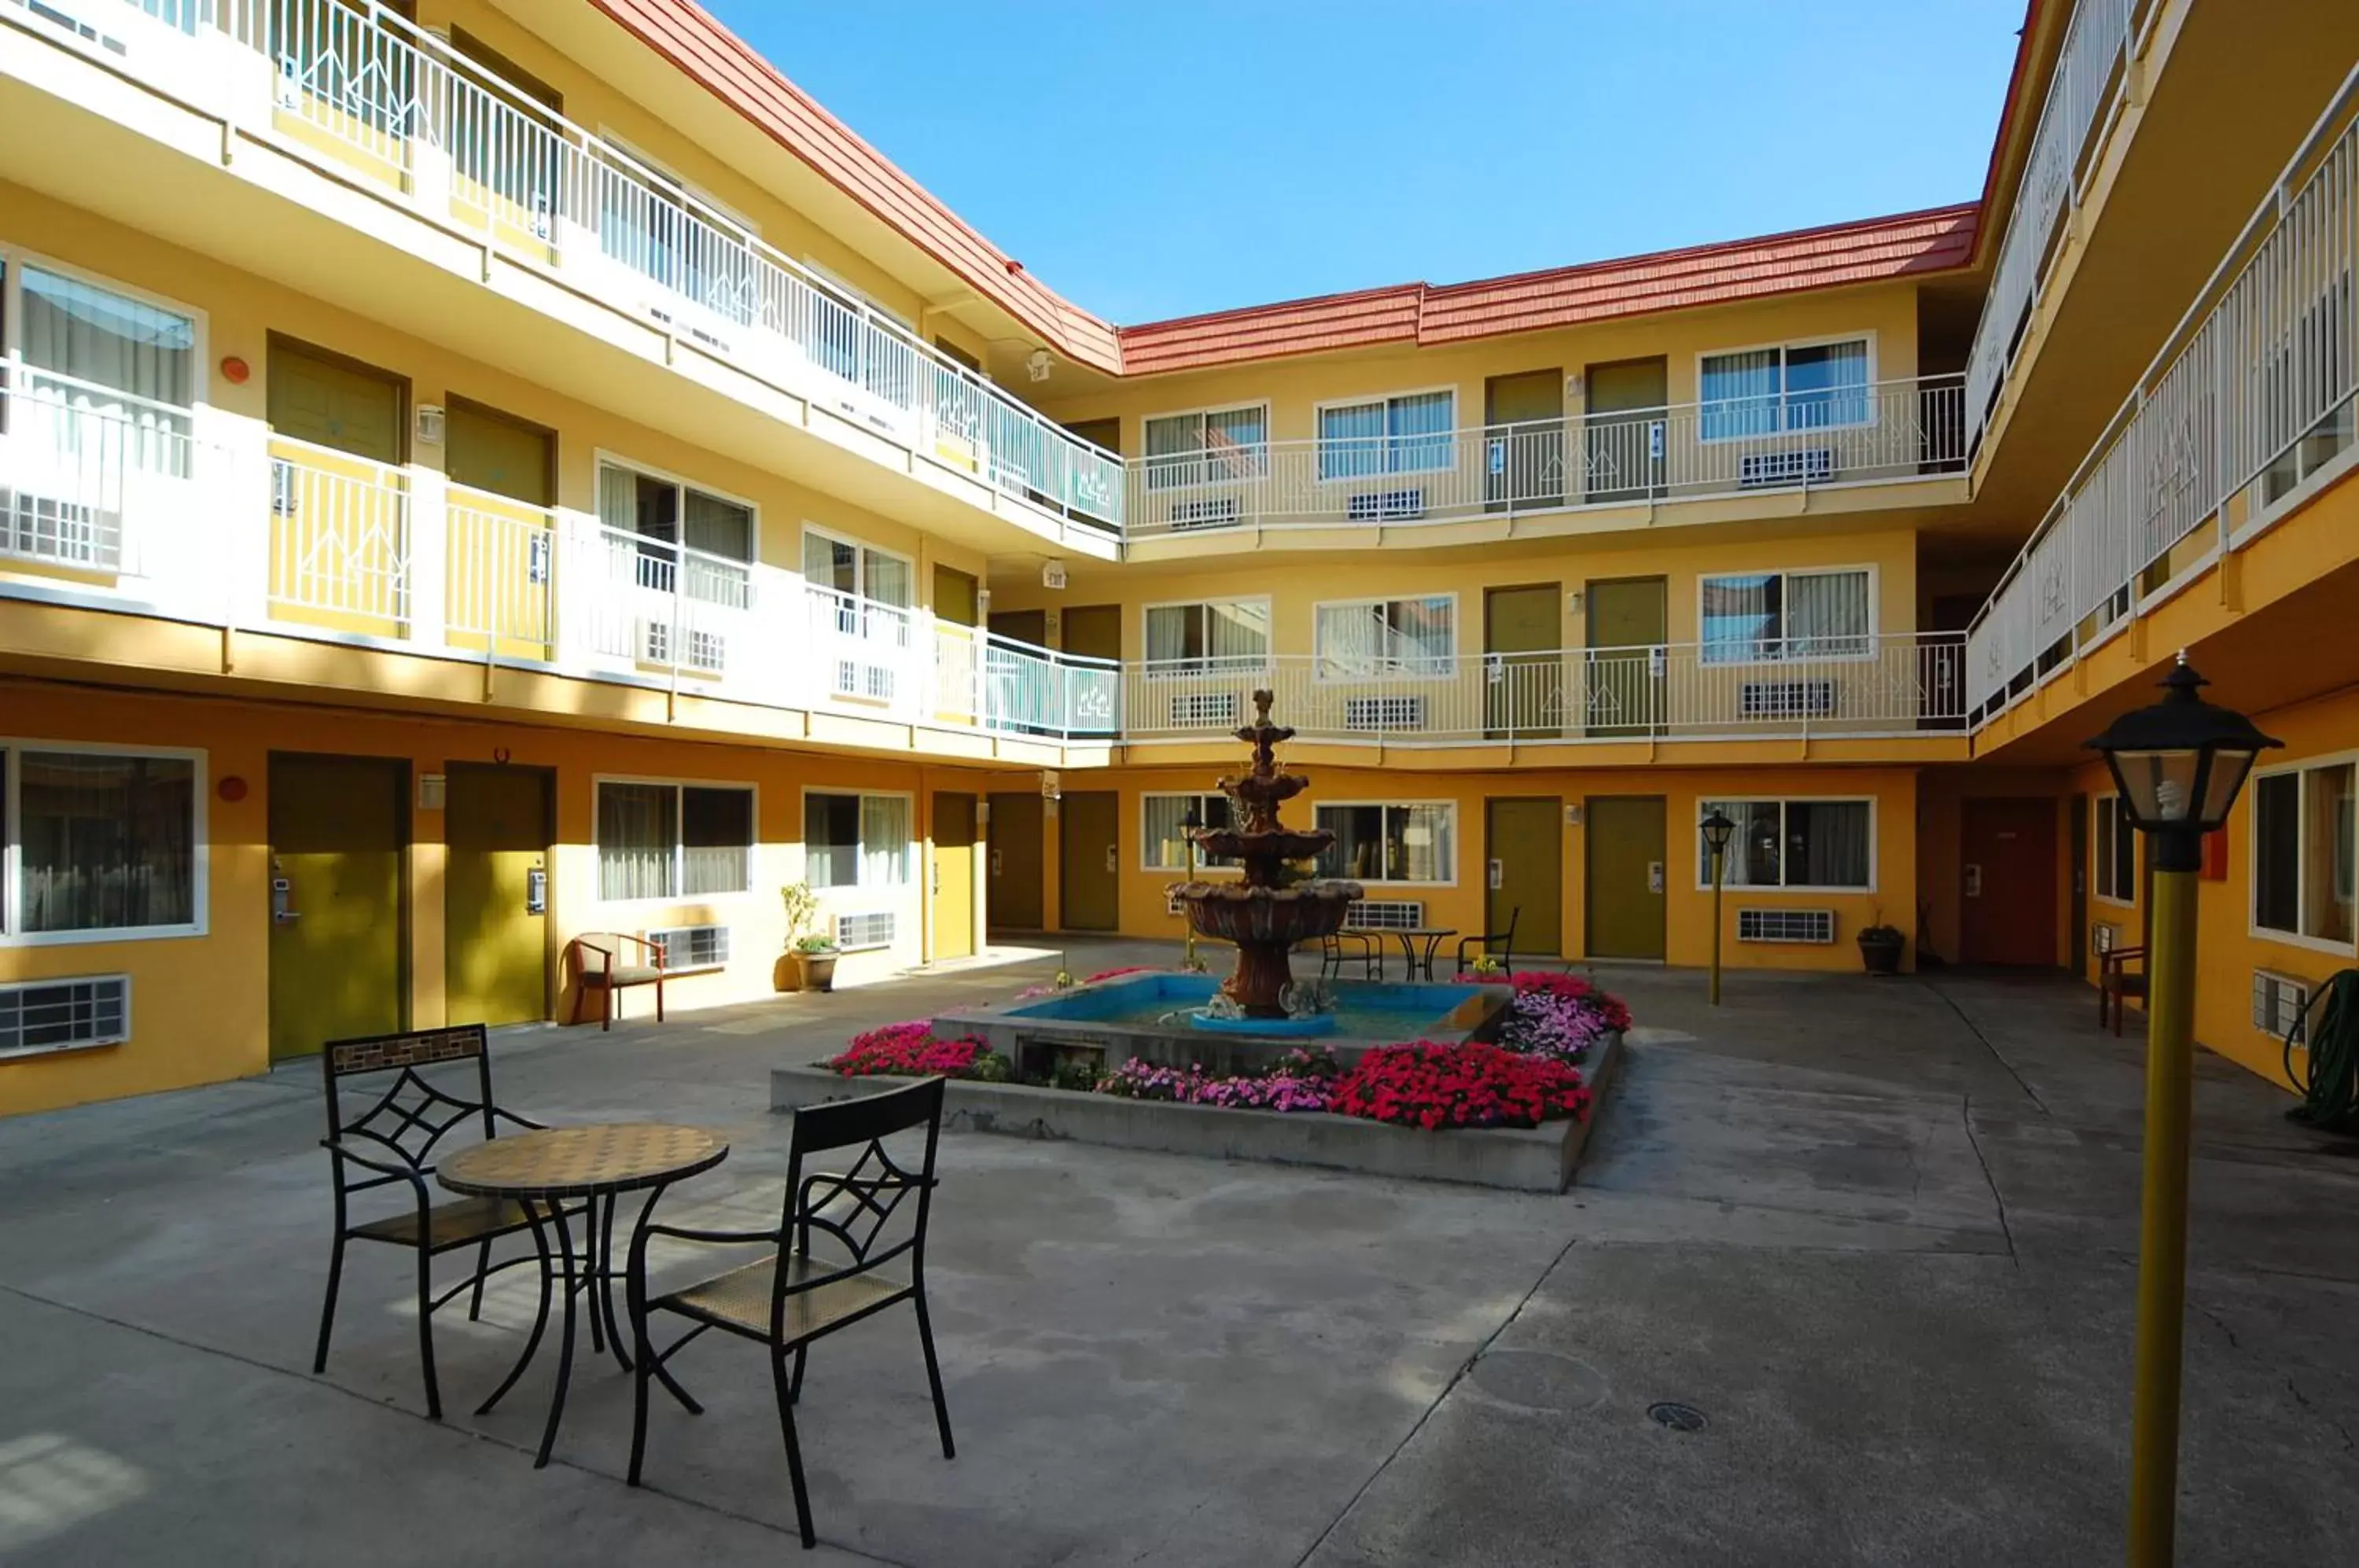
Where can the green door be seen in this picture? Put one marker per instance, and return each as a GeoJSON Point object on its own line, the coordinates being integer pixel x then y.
{"type": "Point", "coordinates": [957, 596]}
{"type": "Point", "coordinates": [1015, 881]}
{"type": "Point", "coordinates": [496, 895]}
{"type": "Point", "coordinates": [1089, 827]}
{"type": "Point", "coordinates": [1094, 631]}
{"type": "Point", "coordinates": [1624, 670]}
{"type": "Point", "coordinates": [1524, 843]}
{"type": "Point", "coordinates": [1523, 444]}
{"type": "Point", "coordinates": [486, 450]}
{"type": "Point", "coordinates": [1523, 667]}
{"type": "Point", "coordinates": [331, 403]}
{"type": "Point", "coordinates": [1626, 876]}
{"type": "Point", "coordinates": [336, 926]}
{"type": "Point", "coordinates": [1623, 433]}
{"type": "Point", "coordinates": [954, 883]}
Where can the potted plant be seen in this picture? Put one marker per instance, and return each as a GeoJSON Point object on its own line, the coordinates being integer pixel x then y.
{"type": "Point", "coordinates": [792, 972]}
{"type": "Point", "coordinates": [1880, 946]}
{"type": "Point", "coordinates": [817, 956]}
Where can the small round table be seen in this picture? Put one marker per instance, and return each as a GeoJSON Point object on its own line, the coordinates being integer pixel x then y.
{"type": "Point", "coordinates": [1412, 964]}
{"type": "Point", "coordinates": [543, 1172]}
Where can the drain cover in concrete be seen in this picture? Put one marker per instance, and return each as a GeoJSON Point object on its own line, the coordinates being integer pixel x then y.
{"type": "Point", "coordinates": [1679, 1418]}
{"type": "Point", "coordinates": [1538, 1381]}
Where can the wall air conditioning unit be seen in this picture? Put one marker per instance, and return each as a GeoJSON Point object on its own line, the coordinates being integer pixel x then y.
{"type": "Point", "coordinates": [692, 947]}
{"type": "Point", "coordinates": [2279, 1002]}
{"type": "Point", "coordinates": [61, 1014]}
{"type": "Point", "coordinates": [1218, 513]}
{"type": "Point", "coordinates": [1386, 507]}
{"type": "Point", "coordinates": [1761, 469]}
{"type": "Point", "coordinates": [864, 682]}
{"type": "Point", "coordinates": [1786, 700]}
{"type": "Point", "coordinates": [871, 930]}
{"type": "Point", "coordinates": [1202, 709]}
{"type": "Point", "coordinates": [1384, 713]}
{"type": "Point", "coordinates": [1814, 927]}
{"type": "Point", "coordinates": [1385, 914]}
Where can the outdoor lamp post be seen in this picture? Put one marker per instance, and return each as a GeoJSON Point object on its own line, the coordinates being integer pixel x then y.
{"type": "Point", "coordinates": [2178, 766]}
{"type": "Point", "coordinates": [1716, 829]}
{"type": "Point", "coordinates": [1189, 824]}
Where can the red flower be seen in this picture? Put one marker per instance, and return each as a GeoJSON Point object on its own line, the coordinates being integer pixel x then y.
{"type": "Point", "coordinates": [1429, 1085]}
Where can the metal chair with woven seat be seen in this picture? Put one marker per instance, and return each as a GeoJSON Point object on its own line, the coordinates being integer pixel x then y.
{"type": "Point", "coordinates": [790, 1298]}
{"type": "Point", "coordinates": [392, 1144]}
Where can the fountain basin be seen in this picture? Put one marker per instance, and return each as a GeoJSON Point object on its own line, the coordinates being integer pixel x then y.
{"type": "Point", "coordinates": [1313, 1026]}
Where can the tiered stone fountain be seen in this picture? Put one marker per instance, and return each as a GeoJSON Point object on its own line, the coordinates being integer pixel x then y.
{"type": "Point", "coordinates": [1268, 912]}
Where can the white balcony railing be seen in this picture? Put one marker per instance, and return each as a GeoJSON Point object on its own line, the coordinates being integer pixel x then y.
{"type": "Point", "coordinates": [2249, 398]}
{"type": "Point", "coordinates": [1893, 683]}
{"type": "Point", "coordinates": [79, 461]}
{"type": "Point", "coordinates": [395, 110]}
{"type": "Point", "coordinates": [1892, 430]}
{"type": "Point", "coordinates": [2091, 71]}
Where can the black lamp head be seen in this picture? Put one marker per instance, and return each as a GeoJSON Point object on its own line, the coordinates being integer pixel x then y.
{"type": "Point", "coordinates": [2181, 763]}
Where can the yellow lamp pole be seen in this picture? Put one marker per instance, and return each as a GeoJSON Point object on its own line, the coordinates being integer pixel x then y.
{"type": "Point", "coordinates": [1716, 829]}
{"type": "Point", "coordinates": [1187, 825]}
{"type": "Point", "coordinates": [2178, 765]}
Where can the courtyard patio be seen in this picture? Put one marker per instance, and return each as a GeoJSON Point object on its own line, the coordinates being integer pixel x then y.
{"type": "Point", "coordinates": [1881, 1234]}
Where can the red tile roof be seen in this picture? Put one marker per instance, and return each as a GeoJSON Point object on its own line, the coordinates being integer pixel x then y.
{"type": "Point", "coordinates": [1868, 251]}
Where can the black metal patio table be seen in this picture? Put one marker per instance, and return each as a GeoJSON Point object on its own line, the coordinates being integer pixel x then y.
{"type": "Point", "coordinates": [1412, 964]}
{"type": "Point", "coordinates": [545, 1170]}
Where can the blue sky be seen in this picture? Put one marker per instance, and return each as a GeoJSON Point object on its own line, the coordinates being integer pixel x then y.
{"type": "Point", "coordinates": [1153, 160]}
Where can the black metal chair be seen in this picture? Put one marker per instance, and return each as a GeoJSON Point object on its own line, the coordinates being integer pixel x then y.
{"type": "Point", "coordinates": [789, 1298]}
{"type": "Point", "coordinates": [391, 1144]}
{"type": "Point", "coordinates": [1342, 947]}
{"type": "Point", "coordinates": [1500, 946]}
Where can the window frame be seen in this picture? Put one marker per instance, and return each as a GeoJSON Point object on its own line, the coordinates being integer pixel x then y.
{"type": "Point", "coordinates": [1866, 337]}
{"type": "Point", "coordinates": [1396, 670]}
{"type": "Point", "coordinates": [910, 856]}
{"type": "Point", "coordinates": [605, 457]}
{"type": "Point", "coordinates": [1147, 843]}
{"type": "Point", "coordinates": [1874, 858]}
{"type": "Point", "coordinates": [1447, 805]}
{"type": "Point", "coordinates": [15, 257]}
{"type": "Point", "coordinates": [861, 550]}
{"type": "Point", "coordinates": [12, 934]}
{"type": "Point", "coordinates": [1320, 442]}
{"type": "Point", "coordinates": [1156, 480]}
{"type": "Point", "coordinates": [1874, 635]}
{"type": "Point", "coordinates": [2301, 769]}
{"type": "Point", "coordinates": [598, 781]}
{"type": "Point", "coordinates": [1210, 665]}
{"type": "Point", "coordinates": [2108, 808]}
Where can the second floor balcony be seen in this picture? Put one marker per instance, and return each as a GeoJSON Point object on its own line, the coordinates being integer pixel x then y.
{"type": "Point", "coordinates": [118, 503]}
{"type": "Point", "coordinates": [1777, 444]}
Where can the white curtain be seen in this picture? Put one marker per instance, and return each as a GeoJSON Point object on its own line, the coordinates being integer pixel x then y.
{"type": "Point", "coordinates": [1826, 615]}
{"type": "Point", "coordinates": [1419, 431]}
{"type": "Point", "coordinates": [638, 825]}
{"type": "Point", "coordinates": [106, 843]}
{"type": "Point", "coordinates": [1755, 847]}
{"type": "Point", "coordinates": [1421, 849]}
{"type": "Point", "coordinates": [889, 579]}
{"type": "Point", "coordinates": [883, 841]}
{"type": "Point", "coordinates": [1740, 618]}
{"type": "Point", "coordinates": [716, 841]}
{"type": "Point", "coordinates": [1740, 394]}
{"type": "Point", "coordinates": [1351, 639]}
{"type": "Point", "coordinates": [1827, 844]}
{"type": "Point", "coordinates": [1237, 634]}
{"type": "Point", "coordinates": [1352, 440]}
{"type": "Point", "coordinates": [95, 335]}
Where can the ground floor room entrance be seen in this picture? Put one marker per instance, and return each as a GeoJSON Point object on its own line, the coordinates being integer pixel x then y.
{"type": "Point", "coordinates": [1524, 851]}
{"type": "Point", "coordinates": [953, 879]}
{"type": "Point", "coordinates": [1015, 881]}
{"type": "Point", "coordinates": [336, 918]}
{"type": "Point", "coordinates": [495, 825]}
{"type": "Point", "coordinates": [1090, 879]}
{"type": "Point", "coordinates": [2009, 881]}
{"type": "Point", "coordinates": [1626, 872]}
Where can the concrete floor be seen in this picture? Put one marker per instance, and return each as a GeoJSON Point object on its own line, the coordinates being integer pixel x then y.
{"type": "Point", "coordinates": [1882, 1233]}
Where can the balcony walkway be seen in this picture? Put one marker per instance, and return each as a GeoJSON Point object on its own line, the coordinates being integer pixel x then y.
{"type": "Point", "coordinates": [1888, 1257]}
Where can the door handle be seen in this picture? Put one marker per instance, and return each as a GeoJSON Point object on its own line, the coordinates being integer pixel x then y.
{"type": "Point", "coordinates": [1973, 881]}
{"type": "Point", "coordinates": [938, 875]}
{"type": "Point", "coordinates": [1114, 860]}
{"type": "Point", "coordinates": [283, 911]}
{"type": "Point", "coordinates": [1654, 877]}
{"type": "Point", "coordinates": [1498, 875]}
{"type": "Point", "coordinates": [536, 891]}
{"type": "Point", "coordinates": [995, 863]}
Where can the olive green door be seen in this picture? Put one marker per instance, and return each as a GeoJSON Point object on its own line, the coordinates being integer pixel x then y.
{"type": "Point", "coordinates": [1622, 673]}
{"type": "Point", "coordinates": [1523, 443]}
{"type": "Point", "coordinates": [1626, 872]}
{"type": "Point", "coordinates": [495, 894]}
{"type": "Point", "coordinates": [1089, 827]}
{"type": "Point", "coordinates": [954, 884]}
{"type": "Point", "coordinates": [1015, 881]}
{"type": "Point", "coordinates": [1094, 631]}
{"type": "Point", "coordinates": [486, 450]}
{"type": "Point", "coordinates": [336, 926]}
{"type": "Point", "coordinates": [331, 402]}
{"type": "Point", "coordinates": [1030, 627]}
{"type": "Point", "coordinates": [958, 598]}
{"type": "Point", "coordinates": [1523, 667]}
{"type": "Point", "coordinates": [1623, 433]}
{"type": "Point", "coordinates": [1524, 845]}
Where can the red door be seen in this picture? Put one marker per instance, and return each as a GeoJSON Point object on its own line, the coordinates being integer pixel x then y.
{"type": "Point", "coordinates": [2009, 882]}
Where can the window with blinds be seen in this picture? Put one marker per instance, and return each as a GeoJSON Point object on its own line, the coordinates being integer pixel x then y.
{"type": "Point", "coordinates": [855, 841]}
{"type": "Point", "coordinates": [1407, 434]}
{"type": "Point", "coordinates": [1207, 446]}
{"type": "Point", "coordinates": [1794, 387]}
{"type": "Point", "coordinates": [673, 841]}
{"type": "Point", "coordinates": [102, 841]}
{"type": "Point", "coordinates": [1386, 637]}
{"type": "Point", "coordinates": [1761, 617]}
{"type": "Point", "coordinates": [1163, 832]}
{"type": "Point", "coordinates": [1817, 844]}
{"type": "Point", "coordinates": [1213, 636]}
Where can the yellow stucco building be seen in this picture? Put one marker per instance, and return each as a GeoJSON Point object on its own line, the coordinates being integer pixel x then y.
{"type": "Point", "coordinates": [476, 474]}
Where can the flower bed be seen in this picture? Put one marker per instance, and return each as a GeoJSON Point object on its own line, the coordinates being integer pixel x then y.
{"type": "Point", "coordinates": [1436, 1086]}
{"type": "Point", "coordinates": [1302, 1082]}
{"type": "Point", "coordinates": [1555, 1014]}
{"type": "Point", "coordinates": [912, 1051]}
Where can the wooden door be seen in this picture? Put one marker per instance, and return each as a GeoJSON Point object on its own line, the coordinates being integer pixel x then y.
{"type": "Point", "coordinates": [495, 894]}
{"type": "Point", "coordinates": [1627, 871]}
{"type": "Point", "coordinates": [2008, 880]}
{"type": "Point", "coordinates": [1623, 671]}
{"type": "Point", "coordinates": [332, 402]}
{"type": "Point", "coordinates": [1089, 828]}
{"type": "Point", "coordinates": [1524, 845]}
{"type": "Point", "coordinates": [958, 597]}
{"type": "Point", "coordinates": [1523, 666]}
{"type": "Point", "coordinates": [1106, 433]}
{"type": "Point", "coordinates": [1015, 884]}
{"type": "Point", "coordinates": [1623, 433]}
{"type": "Point", "coordinates": [486, 450]}
{"type": "Point", "coordinates": [500, 552]}
{"type": "Point", "coordinates": [1029, 626]}
{"type": "Point", "coordinates": [1094, 631]}
{"type": "Point", "coordinates": [337, 933]}
{"type": "Point", "coordinates": [953, 889]}
{"type": "Point", "coordinates": [1523, 445]}
{"type": "Point", "coordinates": [2078, 936]}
